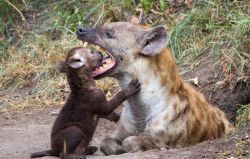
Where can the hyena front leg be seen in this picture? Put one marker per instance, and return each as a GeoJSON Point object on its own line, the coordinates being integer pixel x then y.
{"type": "Point", "coordinates": [112, 145]}
{"type": "Point", "coordinates": [142, 142]}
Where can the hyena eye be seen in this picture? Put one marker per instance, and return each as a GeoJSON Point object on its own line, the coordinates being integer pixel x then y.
{"type": "Point", "coordinates": [109, 35]}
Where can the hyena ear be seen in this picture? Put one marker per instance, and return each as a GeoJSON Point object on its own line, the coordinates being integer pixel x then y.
{"type": "Point", "coordinates": [61, 66]}
{"type": "Point", "coordinates": [153, 41]}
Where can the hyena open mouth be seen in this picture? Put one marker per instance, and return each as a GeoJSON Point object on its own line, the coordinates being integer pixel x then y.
{"type": "Point", "coordinates": [108, 62]}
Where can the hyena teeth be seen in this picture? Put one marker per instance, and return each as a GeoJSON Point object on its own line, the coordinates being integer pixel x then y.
{"type": "Point", "coordinates": [85, 44]}
{"type": "Point", "coordinates": [98, 47]}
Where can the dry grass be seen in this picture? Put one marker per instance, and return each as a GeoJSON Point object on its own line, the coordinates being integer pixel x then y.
{"type": "Point", "coordinates": [28, 58]}
{"type": "Point", "coordinates": [243, 118]}
{"type": "Point", "coordinates": [33, 65]}
{"type": "Point", "coordinates": [221, 29]}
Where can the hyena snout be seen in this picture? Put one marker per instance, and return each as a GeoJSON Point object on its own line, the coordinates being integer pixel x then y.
{"type": "Point", "coordinates": [82, 31]}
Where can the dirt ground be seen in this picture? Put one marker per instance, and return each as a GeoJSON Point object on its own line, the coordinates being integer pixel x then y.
{"type": "Point", "coordinates": [25, 131]}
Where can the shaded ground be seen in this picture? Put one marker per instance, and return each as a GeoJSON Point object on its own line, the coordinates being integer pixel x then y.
{"type": "Point", "coordinates": [26, 131]}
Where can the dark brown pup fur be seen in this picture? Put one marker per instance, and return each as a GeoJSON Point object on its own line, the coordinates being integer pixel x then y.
{"type": "Point", "coordinates": [76, 123]}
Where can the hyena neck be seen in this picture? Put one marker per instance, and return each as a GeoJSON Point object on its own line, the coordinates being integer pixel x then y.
{"type": "Point", "coordinates": [165, 67]}
{"type": "Point", "coordinates": [153, 71]}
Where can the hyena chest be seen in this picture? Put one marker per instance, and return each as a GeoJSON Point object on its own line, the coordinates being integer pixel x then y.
{"type": "Point", "coordinates": [144, 106]}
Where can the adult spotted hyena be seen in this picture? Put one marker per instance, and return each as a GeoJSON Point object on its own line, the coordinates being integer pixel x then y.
{"type": "Point", "coordinates": [167, 112]}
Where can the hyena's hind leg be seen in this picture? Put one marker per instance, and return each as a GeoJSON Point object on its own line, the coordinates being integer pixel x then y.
{"type": "Point", "coordinates": [143, 142]}
{"type": "Point", "coordinates": [112, 145]}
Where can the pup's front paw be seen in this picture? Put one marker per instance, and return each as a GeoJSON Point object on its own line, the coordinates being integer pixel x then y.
{"type": "Point", "coordinates": [133, 87]}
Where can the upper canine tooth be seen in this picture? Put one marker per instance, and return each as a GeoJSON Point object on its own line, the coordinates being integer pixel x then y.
{"type": "Point", "coordinates": [85, 44]}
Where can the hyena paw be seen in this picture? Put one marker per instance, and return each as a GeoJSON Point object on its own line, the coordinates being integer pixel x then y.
{"type": "Point", "coordinates": [131, 144]}
{"type": "Point", "coordinates": [110, 147]}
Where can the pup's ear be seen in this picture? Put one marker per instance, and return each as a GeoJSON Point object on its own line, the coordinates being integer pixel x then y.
{"type": "Point", "coordinates": [153, 41]}
{"type": "Point", "coordinates": [61, 66]}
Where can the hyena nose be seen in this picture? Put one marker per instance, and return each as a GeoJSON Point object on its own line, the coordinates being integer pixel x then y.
{"type": "Point", "coordinates": [82, 31]}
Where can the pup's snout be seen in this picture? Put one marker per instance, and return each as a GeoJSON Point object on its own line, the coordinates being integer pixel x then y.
{"type": "Point", "coordinates": [74, 59]}
{"type": "Point", "coordinates": [82, 31]}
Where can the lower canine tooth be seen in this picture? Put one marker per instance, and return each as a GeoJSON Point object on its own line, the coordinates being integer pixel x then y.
{"type": "Point", "coordinates": [108, 60]}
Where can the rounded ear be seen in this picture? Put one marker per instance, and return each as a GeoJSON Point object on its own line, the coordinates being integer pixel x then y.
{"type": "Point", "coordinates": [61, 66]}
{"type": "Point", "coordinates": [153, 41]}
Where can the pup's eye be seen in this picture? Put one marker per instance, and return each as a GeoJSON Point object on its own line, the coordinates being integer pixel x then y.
{"type": "Point", "coordinates": [109, 35]}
